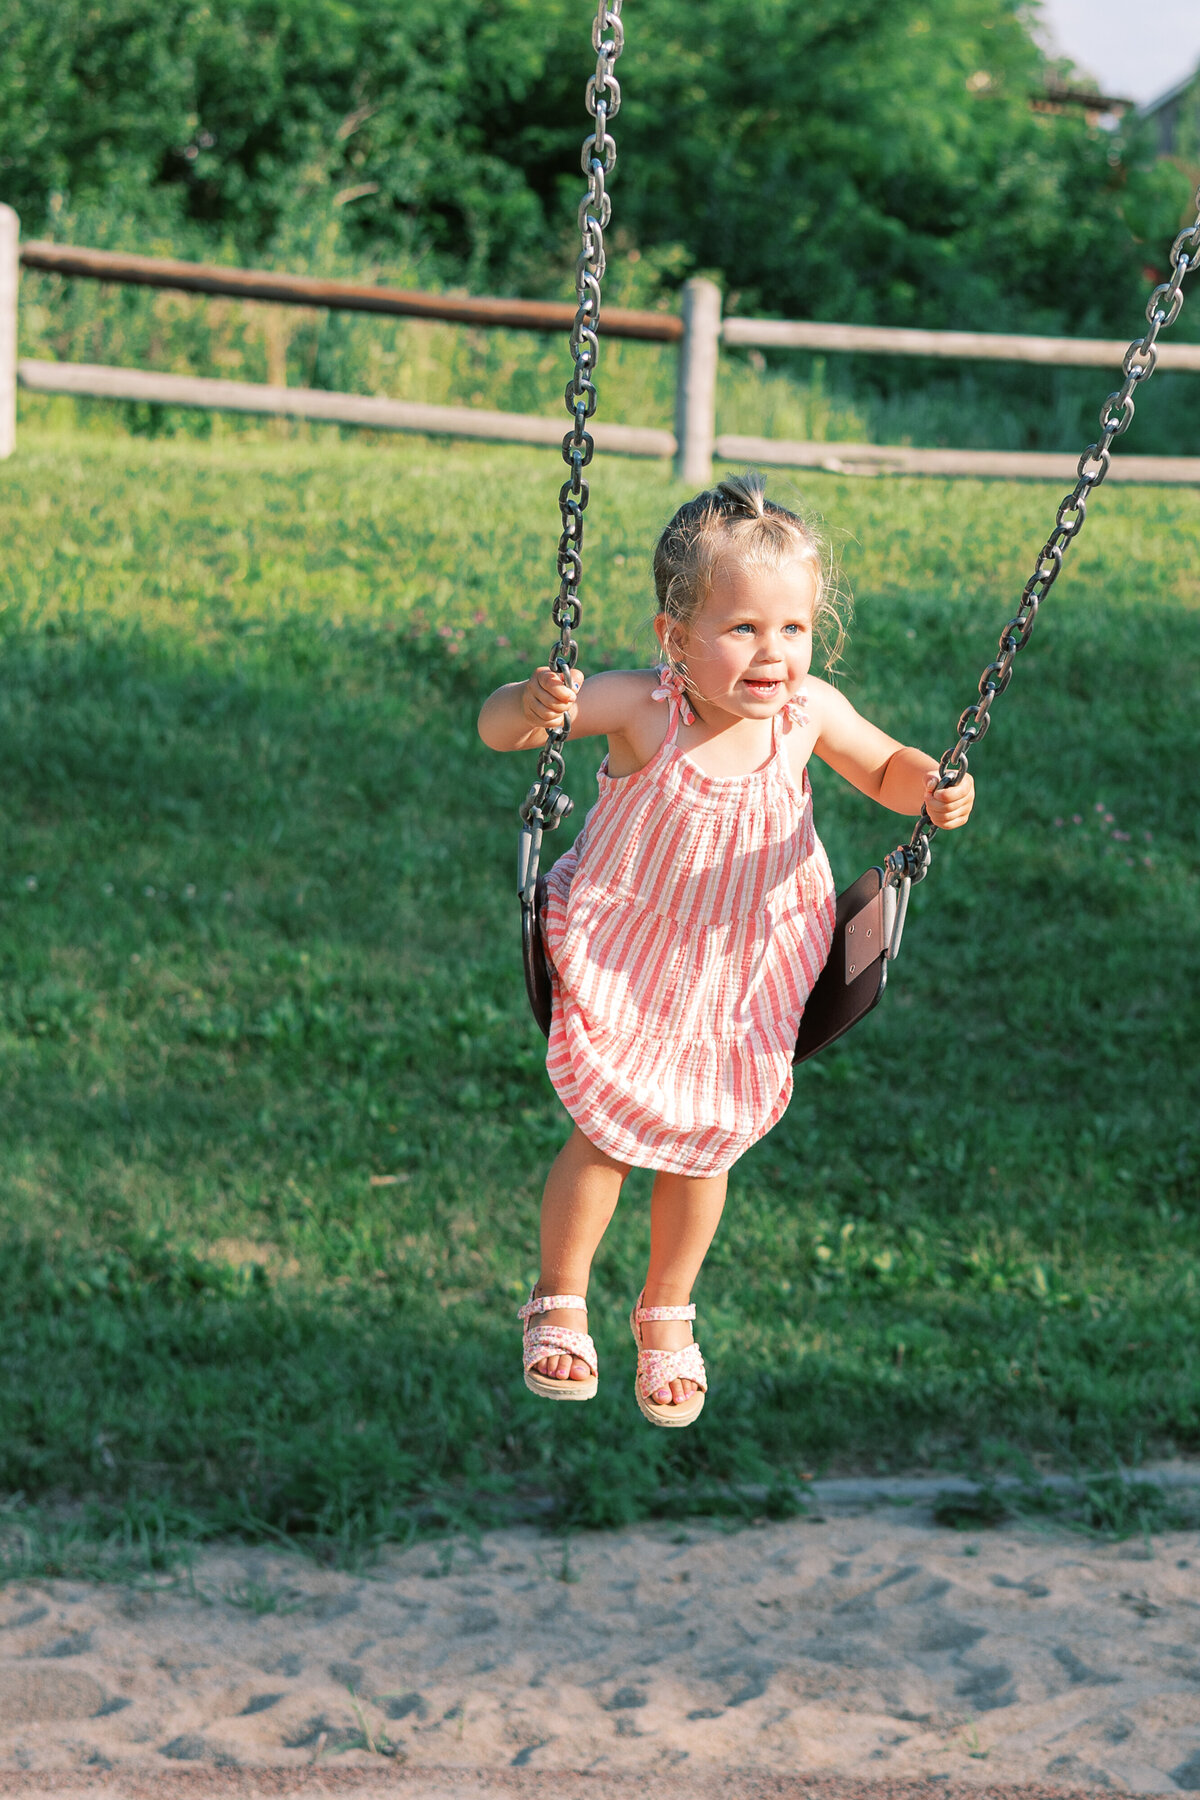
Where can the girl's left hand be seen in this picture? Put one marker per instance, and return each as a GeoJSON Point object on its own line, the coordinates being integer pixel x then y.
{"type": "Point", "coordinates": [949, 807]}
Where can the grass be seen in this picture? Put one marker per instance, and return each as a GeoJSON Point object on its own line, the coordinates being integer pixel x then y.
{"type": "Point", "coordinates": [276, 1121]}
{"type": "Point", "coordinates": [1113, 1507]}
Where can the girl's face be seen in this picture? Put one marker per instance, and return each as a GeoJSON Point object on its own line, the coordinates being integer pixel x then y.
{"type": "Point", "coordinates": [749, 648]}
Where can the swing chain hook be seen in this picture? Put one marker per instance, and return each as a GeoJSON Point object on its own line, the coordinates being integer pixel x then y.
{"type": "Point", "coordinates": [1116, 416]}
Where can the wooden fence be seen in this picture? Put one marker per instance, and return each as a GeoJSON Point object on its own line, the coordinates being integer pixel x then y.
{"type": "Point", "coordinates": [698, 329]}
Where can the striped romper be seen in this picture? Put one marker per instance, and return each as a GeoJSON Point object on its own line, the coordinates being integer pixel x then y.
{"type": "Point", "coordinates": [685, 928]}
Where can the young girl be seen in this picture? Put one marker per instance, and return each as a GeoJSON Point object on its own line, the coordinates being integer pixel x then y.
{"type": "Point", "coordinates": [687, 924]}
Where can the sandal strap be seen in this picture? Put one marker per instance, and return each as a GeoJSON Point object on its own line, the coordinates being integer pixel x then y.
{"type": "Point", "coordinates": [649, 1314]}
{"type": "Point", "coordinates": [547, 1340]}
{"type": "Point", "coordinates": [552, 1303]}
{"type": "Point", "coordinates": [658, 1368]}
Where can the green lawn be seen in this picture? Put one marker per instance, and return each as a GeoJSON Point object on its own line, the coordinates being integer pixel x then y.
{"type": "Point", "coordinates": [276, 1120]}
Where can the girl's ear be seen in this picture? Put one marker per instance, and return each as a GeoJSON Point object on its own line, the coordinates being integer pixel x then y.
{"type": "Point", "coordinates": [670, 637]}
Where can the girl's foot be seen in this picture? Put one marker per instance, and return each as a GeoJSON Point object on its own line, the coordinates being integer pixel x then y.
{"type": "Point", "coordinates": [662, 1334]}
{"type": "Point", "coordinates": [670, 1382]}
{"type": "Point", "coordinates": [669, 1334]}
{"type": "Point", "coordinates": [560, 1365]}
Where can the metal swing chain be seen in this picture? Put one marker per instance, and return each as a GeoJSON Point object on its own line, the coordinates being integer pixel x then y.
{"type": "Point", "coordinates": [546, 804]}
{"type": "Point", "coordinates": [911, 861]}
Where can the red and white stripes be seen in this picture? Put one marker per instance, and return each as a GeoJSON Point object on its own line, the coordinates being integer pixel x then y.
{"type": "Point", "coordinates": [686, 927]}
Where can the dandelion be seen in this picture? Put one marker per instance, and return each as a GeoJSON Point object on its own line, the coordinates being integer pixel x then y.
{"type": "Point", "coordinates": [31, 884]}
{"type": "Point", "coordinates": [619, 560]}
{"type": "Point", "coordinates": [108, 888]}
{"type": "Point", "coordinates": [189, 892]}
{"type": "Point", "coordinates": [227, 896]}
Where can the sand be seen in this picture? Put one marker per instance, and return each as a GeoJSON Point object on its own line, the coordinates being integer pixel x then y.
{"type": "Point", "coordinates": [868, 1647]}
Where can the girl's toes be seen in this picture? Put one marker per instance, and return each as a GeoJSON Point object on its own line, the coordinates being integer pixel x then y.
{"type": "Point", "coordinates": [663, 1397]}
{"type": "Point", "coordinates": [579, 1370]}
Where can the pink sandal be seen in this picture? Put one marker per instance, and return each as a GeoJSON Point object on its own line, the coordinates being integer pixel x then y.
{"type": "Point", "coordinates": [658, 1368]}
{"type": "Point", "coordinates": [545, 1340]}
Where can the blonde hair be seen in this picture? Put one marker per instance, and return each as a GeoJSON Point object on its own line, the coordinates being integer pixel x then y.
{"type": "Point", "coordinates": [734, 524]}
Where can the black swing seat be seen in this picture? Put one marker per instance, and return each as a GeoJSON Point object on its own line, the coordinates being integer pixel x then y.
{"type": "Point", "coordinates": [537, 973]}
{"type": "Point", "coordinates": [850, 984]}
{"type": "Point", "coordinates": [855, 972]}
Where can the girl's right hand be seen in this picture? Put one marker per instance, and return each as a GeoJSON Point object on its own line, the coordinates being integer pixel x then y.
{"type": "Point", "coordinates": [548, 697]}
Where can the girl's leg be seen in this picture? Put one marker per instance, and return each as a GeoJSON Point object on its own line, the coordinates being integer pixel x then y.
{"type": "Point", "coordinates": [582, 1190]}
{"type": "Point", "coordinates": [684, 1214]}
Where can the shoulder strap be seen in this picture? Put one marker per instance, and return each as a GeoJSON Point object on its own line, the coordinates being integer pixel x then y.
{"type": "Point", "coordinates": [671, 689]}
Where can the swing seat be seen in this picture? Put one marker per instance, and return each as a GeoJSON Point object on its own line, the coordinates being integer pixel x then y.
{"type": "Point", "coordinates": [855, 972]}
{"type": "Point", "coordinates": [537, 972]}
{"type": "Point", "coordinates": [850, 984]}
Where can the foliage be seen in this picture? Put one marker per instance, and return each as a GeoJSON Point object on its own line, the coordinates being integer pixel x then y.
{"type": "Point", "coordinates": [848, 158]}
{"type": "Point", "coordinates": [276, 1118]}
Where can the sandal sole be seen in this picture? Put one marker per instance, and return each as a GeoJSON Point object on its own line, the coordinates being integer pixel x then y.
{"type": "Point", "coordinates": [685, 1412]}
{"type": "Point", "coordinates": [546, 1388]}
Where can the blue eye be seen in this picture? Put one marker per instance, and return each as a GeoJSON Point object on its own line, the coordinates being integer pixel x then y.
{"type": "Point", "coordinates": [744, 627]}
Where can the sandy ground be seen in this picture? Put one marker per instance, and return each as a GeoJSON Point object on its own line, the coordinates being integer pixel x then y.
{"type": "Point", "coordinates": [868, 1646]}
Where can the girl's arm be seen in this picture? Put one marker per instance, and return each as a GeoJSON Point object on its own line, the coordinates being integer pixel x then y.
{"type": "Point", "coordinates": [898, 776]}
{"type": "Point", "coordinates": [518, 715]}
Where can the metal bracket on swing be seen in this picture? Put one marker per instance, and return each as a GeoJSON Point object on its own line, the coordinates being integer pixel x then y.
{"type": "Point", "coordinates": [906, 864]}
{"type": "Point", "coordinates": [538, 816]}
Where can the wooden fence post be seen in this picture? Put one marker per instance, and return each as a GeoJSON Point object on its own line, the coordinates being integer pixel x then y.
{"type": "Point", "coordinates": [696, 393]}
{"type": "Point", "coordinates": [9, 231]}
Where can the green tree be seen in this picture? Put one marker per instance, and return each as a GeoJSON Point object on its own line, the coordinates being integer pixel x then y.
{"type": "Point", "coordinates": [859, 159]}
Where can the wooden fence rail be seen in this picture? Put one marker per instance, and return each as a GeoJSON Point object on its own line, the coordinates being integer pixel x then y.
{"type": "Point", "coordinates": [99, 382]}
{"type": "Point", "coordinates": [699, 332]}
{"type": "Point", "coordinates": [972, 346]}
{"type": "Point", "coordinates": [339, 296]}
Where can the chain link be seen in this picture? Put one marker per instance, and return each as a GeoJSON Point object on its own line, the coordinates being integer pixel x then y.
{"type": "Point", "coordinates": [546, 804]}
{"type": "Point", "coordinates": [1116, 415]}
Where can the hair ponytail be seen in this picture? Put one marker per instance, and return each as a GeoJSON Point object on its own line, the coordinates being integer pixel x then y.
{"type": "Point", "coordinates": [744, 496]}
